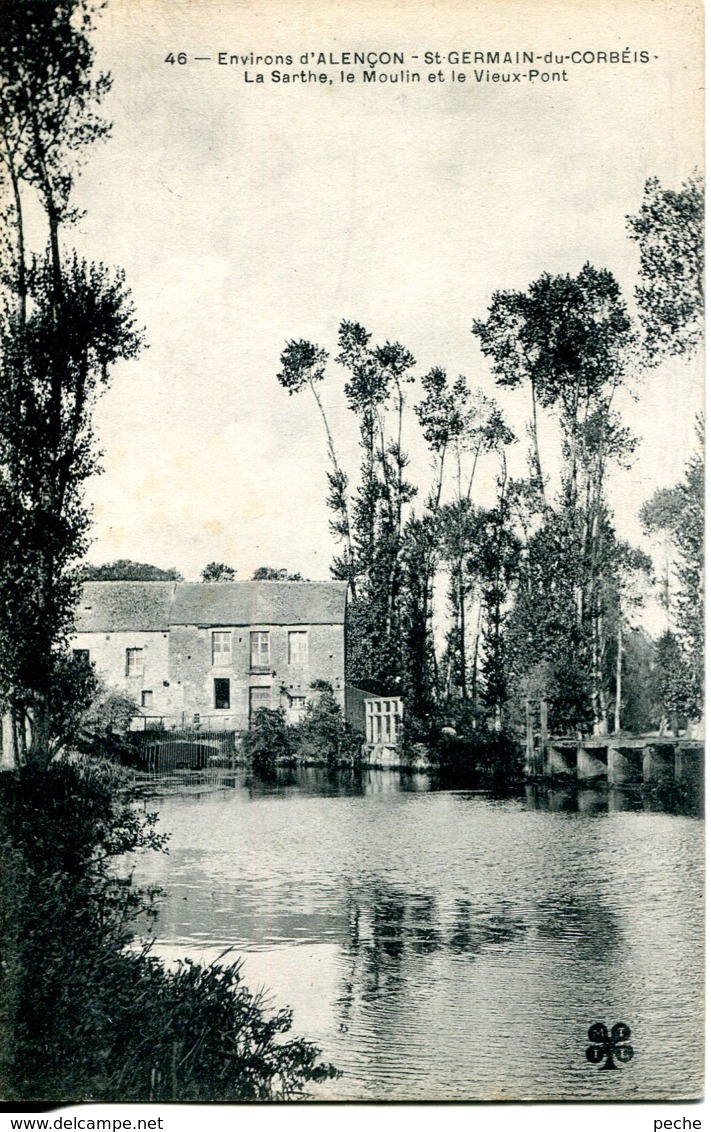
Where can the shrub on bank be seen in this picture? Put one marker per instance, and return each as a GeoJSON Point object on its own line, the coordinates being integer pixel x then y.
{"type": "Point", "coordinates": [480, 758]}
{"type": "Point", "coordinates": [268, 743]}
{"type": "Point", "coordinates": [324, 736]}
{"type": "Point", "coordinates": [84, 1016]}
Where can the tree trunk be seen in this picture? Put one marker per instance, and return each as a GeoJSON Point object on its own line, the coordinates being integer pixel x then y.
{"type": "Point", "coordinates": [337, 471]}
{"type": "Point", "coordinates": [39, 752]}
{"type": "Point", "coordinates": [529, 739]}
{"type": "Point", "coordinates": [544, 735]}
{"type": "Point", "coordinates": [462, 634]}
{"type": "Point", "coordinates": [475, 658]}
{"type": "Point", "coordinates": [618, 679]}
{"type": "Point", "coordinates": [536, 449]}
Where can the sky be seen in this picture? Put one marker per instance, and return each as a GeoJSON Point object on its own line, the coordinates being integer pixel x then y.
{"type": "Point", "coordinates": [246, 215]}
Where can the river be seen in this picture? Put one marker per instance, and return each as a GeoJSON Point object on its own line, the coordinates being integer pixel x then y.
{"type": "Point", "coordinates": [444, 944]}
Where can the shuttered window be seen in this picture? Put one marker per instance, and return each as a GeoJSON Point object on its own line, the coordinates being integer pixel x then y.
{"type": "Point", "coordinates": [134, 662]}
{"type": "Point", "coordinates": [221, 649]}
{"type": "Point", "coordinates": [298, 647]}
{"type": "Point", "coordinates": [258, 698]}
{"type": "Point", "coordinates": [259, 649]}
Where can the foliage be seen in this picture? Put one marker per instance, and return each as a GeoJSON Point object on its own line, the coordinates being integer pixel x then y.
{"type": "Point", "coordinates": [679, 513]}
{"type": "Point", "coordinates": [72, 691]}
{"type": "Point", "coordinates": [270, 574]}
{"type": "Point", "coordinates": [267, 743]}
{"type": "Point", "coordinates": [125, 570]}
{"type": "Point", "coordinates": [669, 230]}
{"type": "Point", "coordinates": [671, 683]}
{"type": "Point", "coordinates": [63, 323]}
{"type": "Point", "coordinates": [104, 726]}
{"type": "Point", "coordinates": [542, 597]}
{"type": "Point", "coordinates": [639, 711]}
{"type": "Point", "coordinates": [569, 339]}
{"type": "Point", "coordinates": [218, 572]}
{"type": "Point", "coordinates": [88, 1016]}
{"type": "Point", "coordinates": [323, 734]}
{"type": "Point", "coordinates": [479, 758]}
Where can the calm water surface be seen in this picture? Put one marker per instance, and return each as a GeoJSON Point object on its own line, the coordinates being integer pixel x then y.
{"type": "Point", "coordinates": [447, 944]}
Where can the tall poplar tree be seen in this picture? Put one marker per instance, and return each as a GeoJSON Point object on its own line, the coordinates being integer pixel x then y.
{"type": "Point", "coordinates": [63, 323]}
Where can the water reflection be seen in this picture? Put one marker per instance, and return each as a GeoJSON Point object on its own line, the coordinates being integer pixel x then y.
{"type": "Point", "coordinates": [399, 921]}
{"type": "Point", "coordinates": [666, 798]}
{"type": "Point", "coordinates": [592, 929]}
{"type": "Point", "coordinates": [334, 782]}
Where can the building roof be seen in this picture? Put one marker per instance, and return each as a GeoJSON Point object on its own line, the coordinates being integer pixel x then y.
{"type": "Point", "coordinates": [259, 603]}
{"type": "Point", "coordinates": [107, 607]}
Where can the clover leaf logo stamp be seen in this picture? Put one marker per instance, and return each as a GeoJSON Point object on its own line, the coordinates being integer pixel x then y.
{"type": "Point", "coordinates": [609, 1047]}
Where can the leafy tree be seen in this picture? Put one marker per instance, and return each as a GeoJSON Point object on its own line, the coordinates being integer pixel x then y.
{"type": "Point", "coordinates": [269, 574]}
{"type": "Point", "coordinates": [658, 517]}
{"type": "Point", "coordinates": [218, 572]}
{"type": "Point", "coordinates": [323, 733]}
{"type": "Point", "coordinates": [375, 393]}
{"type": "Point", "coordinates": [420, 675]}
{"type": "Point", "coordinates": [304, 365]}
{"type": "Point", "coordinates": [547, 647]}
{"type": "Point", "coordinates": [637, 710]}
{"type": "Point", "coordinates": [672, 682]}
{"type": "Point", "coordinates": [629, 571]}
{"type": "Point", "coordinates": [571, 340]}
{"type": "Point", "coordinates": [669, 230]}
{"type": "Point", "coordinates": [441, 415]}
{"type": "Point", "coordinates": [85, 1013]}
{"type": "Point", "coordinates": [72, 692]}
{"type": "Point", "coordinates": [678, 513]}
{"type": "Point", "coordinates": [125, 570]}
{"type": "Point", "coordinates": [63, 323]}
{"type": "Point", "coordinates": [369, 523]}
{"type": "Point", "coordinates": [267, 742]}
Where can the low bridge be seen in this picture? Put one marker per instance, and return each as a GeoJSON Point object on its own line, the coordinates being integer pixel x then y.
{"type": "Point", "coordinates": [619, 759]}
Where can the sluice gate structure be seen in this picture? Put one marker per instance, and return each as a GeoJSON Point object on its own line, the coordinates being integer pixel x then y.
{"type": "Point", "coordinates": [619, 759]}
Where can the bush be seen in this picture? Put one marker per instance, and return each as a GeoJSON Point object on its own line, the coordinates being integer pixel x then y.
{"type": "Point", "coordinates": [84, 1016]}
{"type": "Point", "coordinates": [267, 743]}
{"type": "Point", "coordinates": [480, 758]}
{"type": "Point", "coordinates": [324, 736]}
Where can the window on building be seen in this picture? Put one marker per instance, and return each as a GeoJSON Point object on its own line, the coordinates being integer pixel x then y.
{"type": "Point", "coordinates": [147, 698]}
{"type": "Point", "coordinates": [222, 694]}
{"type": "Point", "coordinates": [258, 698]}
{"type": "Point", "coordinates": [297, 708]}
{"type": "Point", "coordinates": [259, 650]}
{"type": "Point", "coordinates": [134, 662]}
{"type": "Point", "coordinates": [298, 647]}
{"type": "Point", "coordinates": [221, 649]}
{"type": "Point", "coordinates": [81, 655]}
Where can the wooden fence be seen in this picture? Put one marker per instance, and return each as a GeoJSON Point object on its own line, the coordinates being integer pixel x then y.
{"type": "Point", "coordinates": [165, 751]}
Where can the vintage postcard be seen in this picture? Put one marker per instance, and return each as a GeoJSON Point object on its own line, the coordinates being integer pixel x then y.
{"type": "Point", "coordinates": [351, 645]}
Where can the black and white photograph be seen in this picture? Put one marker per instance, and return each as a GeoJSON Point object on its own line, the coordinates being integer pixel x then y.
{"type": "Point", "coordinates": [351, 556]}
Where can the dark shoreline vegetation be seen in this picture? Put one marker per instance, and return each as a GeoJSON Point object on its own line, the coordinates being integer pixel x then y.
{"type": "Point", "coordinates": [323, 738]}
{"type": "Point", "coordinates": [87, 1013]}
